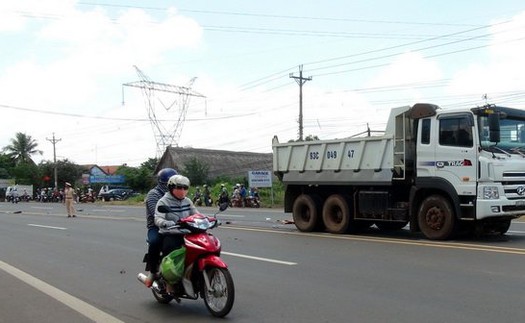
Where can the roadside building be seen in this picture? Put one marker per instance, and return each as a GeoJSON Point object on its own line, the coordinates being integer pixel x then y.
{"type": "Point", "coordinates": [220, 162]}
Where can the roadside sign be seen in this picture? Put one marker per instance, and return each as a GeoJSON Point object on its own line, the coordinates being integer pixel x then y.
{"type": "Point", "coordinates": [260, 178]}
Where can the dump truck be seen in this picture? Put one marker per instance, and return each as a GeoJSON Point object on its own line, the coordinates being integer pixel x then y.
{"type": "Point", "coordinates": [442, 171]}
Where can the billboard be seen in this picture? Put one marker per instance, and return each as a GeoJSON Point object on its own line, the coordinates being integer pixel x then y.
{"type": "Point", "coordinates": [260, 178]}
{"type": "Point", "coordinates": [107, 179]}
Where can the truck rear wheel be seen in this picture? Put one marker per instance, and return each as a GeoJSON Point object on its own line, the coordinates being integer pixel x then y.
{"type": "Point", "coordinates": [436, 218]}
{"type": "Point", "coordinates": [305, 213]}
{"type": "Point", "coordinates": [336, 214]}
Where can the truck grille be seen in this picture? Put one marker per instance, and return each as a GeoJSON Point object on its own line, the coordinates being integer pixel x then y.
{"type": "Point", "coordinates": [514, 185]}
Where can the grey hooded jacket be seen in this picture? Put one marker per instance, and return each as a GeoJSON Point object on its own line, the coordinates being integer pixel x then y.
{"type": "Point", "coordinates": [179, 209]}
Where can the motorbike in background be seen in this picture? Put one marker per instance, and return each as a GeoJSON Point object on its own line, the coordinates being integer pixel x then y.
{"type": "Point", "coordinates": [84, 198]}
{"type": "Point", "coordinates": [13, 198]}
{"type": "Point", "coordinates": [252, 201]}
{"type": "Point", "coordinates": [236, 201]}
{"type": "Point", "coordinates": [205, 273]}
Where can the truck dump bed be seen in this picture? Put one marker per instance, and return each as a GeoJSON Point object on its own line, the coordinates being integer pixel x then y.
{"type": "Point", "coordinates": [358, 160]}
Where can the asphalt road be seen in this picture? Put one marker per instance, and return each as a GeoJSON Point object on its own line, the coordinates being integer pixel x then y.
{"type": "Point", "coordinates": [55, 269]}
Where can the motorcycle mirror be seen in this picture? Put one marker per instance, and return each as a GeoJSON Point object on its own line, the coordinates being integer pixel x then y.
{"type": "Point", "coordinates": [163, 209]}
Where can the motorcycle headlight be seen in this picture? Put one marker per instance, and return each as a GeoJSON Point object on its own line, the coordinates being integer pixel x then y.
{"type": "Point", "coordinates": [202, 224]}
{"type": "Point", "coordinates": [490, 193]}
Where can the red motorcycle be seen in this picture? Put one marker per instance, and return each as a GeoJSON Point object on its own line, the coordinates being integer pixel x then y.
{"type": "Point", "coordinates": [205, 273]}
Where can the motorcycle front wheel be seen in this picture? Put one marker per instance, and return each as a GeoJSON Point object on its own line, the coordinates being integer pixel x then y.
{"type": "Point", "coordinates": [219, 299]}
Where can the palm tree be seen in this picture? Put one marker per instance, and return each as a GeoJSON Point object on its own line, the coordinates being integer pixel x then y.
{"type": "Point", "coordinates": [21, 148]}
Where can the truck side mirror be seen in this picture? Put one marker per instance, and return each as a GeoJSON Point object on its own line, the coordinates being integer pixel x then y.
{"type": "Point", "coordinates": [494, 131]}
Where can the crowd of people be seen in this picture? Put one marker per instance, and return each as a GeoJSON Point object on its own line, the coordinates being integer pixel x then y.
{"type": "Point", "coordinates": [240, 197]}
{"type": "Point", "coordinates": [49, 194]}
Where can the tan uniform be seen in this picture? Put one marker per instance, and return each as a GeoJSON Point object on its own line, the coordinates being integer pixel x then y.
{"type": "Point", "coordinates": [69, 197]}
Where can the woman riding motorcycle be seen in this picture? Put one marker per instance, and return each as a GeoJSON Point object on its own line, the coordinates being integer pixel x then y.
{"type": "Point", "coordinates": [180, 207]}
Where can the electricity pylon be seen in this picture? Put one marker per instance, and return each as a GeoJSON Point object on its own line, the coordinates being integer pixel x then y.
{"type": "Point", "coordinates": [166, 132]}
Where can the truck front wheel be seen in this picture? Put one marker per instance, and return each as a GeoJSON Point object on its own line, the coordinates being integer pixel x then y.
{"type": "Point", "coordinates": [305, 213]}
{"type": "Point", "coordinates": [436, 218]}
{"type": "Point", "coordinates": [336, 214]}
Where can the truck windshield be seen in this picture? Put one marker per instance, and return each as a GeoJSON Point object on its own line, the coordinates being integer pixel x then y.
{"type": "Point", "coordinates": [512, 134]}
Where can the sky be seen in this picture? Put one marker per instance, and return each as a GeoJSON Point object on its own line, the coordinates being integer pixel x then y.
{"type": "Point", "coordinates": [67, 69]}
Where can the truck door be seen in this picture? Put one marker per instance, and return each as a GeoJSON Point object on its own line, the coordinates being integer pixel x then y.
{"type": "Point", "coordinates": [446, 149]}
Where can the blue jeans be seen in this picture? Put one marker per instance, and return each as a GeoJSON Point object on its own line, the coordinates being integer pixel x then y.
{"type": "Point", "coordinates": [154, 248]}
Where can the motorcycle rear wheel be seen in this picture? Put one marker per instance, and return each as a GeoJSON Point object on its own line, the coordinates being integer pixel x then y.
{"type": "Point", "coordinates": [161, 296]}
{"type": "Point", "coordinates": [219, 300]}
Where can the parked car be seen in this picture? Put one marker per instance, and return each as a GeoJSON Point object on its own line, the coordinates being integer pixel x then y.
{"type": "Point", "coordinates": [116, 194]}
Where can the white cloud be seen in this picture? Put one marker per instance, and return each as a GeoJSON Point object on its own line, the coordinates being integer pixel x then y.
{"type": "Point", "coordinates": [504, 71]}
{"type": "Point", "coordinates": [16, 15]}
{"type": "Point", "coordinates": [407, 68]}
{"type": "Point", "coordinates": [75, 64]}
{"type": "Point", "coordinates": [77, 57]}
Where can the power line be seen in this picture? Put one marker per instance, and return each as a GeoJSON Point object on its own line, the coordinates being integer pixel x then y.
{"type": "Point", "coordinates": [274, 76]}
{"type": "Point", "coordinates": [262, 81]}
{"type": "Point", "coordinates": [399, 46]}
{"type": "Point", "coordinates": [262, 15]}
{"type": "Point", "coordinates": [76, 115]}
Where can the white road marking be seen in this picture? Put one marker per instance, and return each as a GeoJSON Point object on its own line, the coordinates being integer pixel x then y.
{"type": "Point", "coordinates": [421, 243]}
{"type": "Point", "coordinates": [76, 304]}
{"type": "Point", "coordinates": [46, 226]}
{"type": "Point", "coordinates": [260, 259]}
{"type": "Point", "coordinates": [109, 210]}
{"type": "Point", "coordinates": [518, 232]}
{"type": "Point", "coordinates": [230, 216]}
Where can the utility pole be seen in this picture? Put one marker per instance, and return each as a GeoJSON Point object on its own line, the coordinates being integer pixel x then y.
{"type": "Point", "coordinates": [54, 141]}
{"type": "Point", "coordinates": [300, 80]}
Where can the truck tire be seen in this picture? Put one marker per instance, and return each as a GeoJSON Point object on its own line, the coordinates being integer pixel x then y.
{"type": "Point", "coordinates": [336, 214]}
{"type": "Point", "coordinates": [436, 218]}
{"type": "Point", "coordinates": [305, 213]}
{"type": "Point", "coordinates": [503, 227]}
{"type": "Point", "coordinates": [500, 227]}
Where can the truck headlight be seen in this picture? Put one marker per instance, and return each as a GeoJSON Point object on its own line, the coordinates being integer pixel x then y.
{"type": "Point", "coordinates": [490, 193]}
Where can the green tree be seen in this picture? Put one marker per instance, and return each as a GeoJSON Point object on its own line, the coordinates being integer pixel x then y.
{"type": "Point", "coordinates": [148, 172]}
{"type": "Point", "coordinates": [140, 179]}
{"type": "Point", "coordinates": [6, 165]}
{"type": "Point", "coordinates": [311, 138]}
{"type": "Point", "coordinates": [21, 149]}
{"type": "Point", "coordinates": [196, 171]}
{"type": "Point", "coordinates": [26, 173]}
{"type": "Point", "coordinates": [150, 164]}
{"type": "Point", "coordinates": [66, 172]}
{"type": "Point", "coordinates": [307, 138]}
